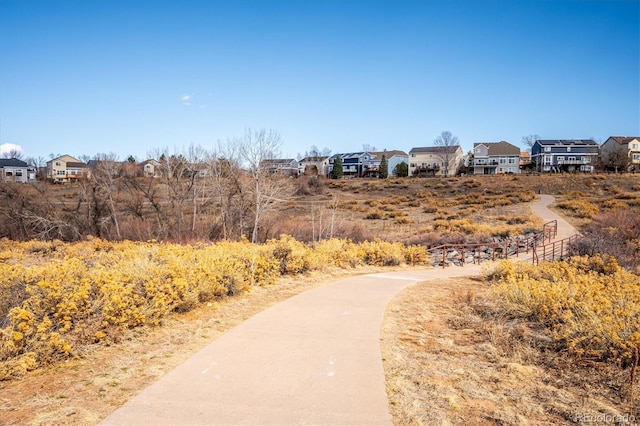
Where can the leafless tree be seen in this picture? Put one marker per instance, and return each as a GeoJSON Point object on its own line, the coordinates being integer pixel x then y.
{"type": "Point", "coordinates": [103, 177]}
{"type": "Point", "coordinates": [617, 158]}
{"type": "Point", "coordinates": [228, 190]}
{"type": "Point", "coordinates": [529, 141]}
{"type": "Point", "coordinates": [12, 153]}
{"type": "Point", "coordinates": [267, 189]}
{"type": "Point", "coordinates": [446, 145]}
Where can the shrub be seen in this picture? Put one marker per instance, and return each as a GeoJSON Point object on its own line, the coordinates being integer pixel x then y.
{"type": "Point", "coordinates": [579, 208]}
{"type": "Point", "coordinates": [591, 304]}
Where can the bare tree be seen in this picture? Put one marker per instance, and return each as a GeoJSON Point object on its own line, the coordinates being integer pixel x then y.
{"type": "Point", "coordinates": [228, 189]}
{"type": "Point", "coordinates": [529, 141]}
{"type": "Point", "coordinates": [267, 189]}
{"type": "Point", "coordinates": [446, 146]}
{"type": "Point", "coordinates": [12, 152]}
{"type": "Point", "coordinates": [38, 163]}
{"type": "Point", "coordinates": [617, 158]}
{"type": "Point", "coordinates": [102, 190]}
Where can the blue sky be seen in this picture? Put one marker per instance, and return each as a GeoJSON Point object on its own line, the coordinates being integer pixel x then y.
{"type": "Point", "coordinates": [84, 77]}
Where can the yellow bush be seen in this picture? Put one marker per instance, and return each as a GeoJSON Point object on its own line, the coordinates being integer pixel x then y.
{"type": "Point", "coordinates": [580, 208]}
{"type": "Point", "coordinates": [56, 297]}
{"type": "Point", "coordinates": [591, 304]}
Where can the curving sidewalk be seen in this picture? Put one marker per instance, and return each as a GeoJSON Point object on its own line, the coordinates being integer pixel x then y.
{"type": "Point", "coordinates": [312, 359]}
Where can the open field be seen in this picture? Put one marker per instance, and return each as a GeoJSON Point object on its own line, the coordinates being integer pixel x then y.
{"type": "Point", "coordinates": [437, 334]}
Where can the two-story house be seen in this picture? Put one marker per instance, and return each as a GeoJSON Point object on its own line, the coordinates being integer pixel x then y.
{"type": "Point", "coordinates": [435, 160]}
{"type": "Point", "coordinates": [66, 169]}
{"type": "Point", "coordinates": [564, 155]}
{"type": "Point", "coordinates": [285, 166]}
{"type": "Point", "coordinates": [14, 170]}
{"type": "Point", "coordinates": [317, 165]}
{"type": "Point", "coordinates": [393, 157]}
{"type": "Point", "coordinates": [491, 158]}
{"type": "Point", "coordinates": [151, 168]}
{"type": "Point", "coordinates": [621, 153]}
{"type": "Point", "coordinates": [354, 164]}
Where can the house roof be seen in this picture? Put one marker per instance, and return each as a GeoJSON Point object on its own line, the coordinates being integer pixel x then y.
{"type": "Point", "coordinates": [76, 164]}
{"type": "Point", "coordinates": [624, 140]}
{"type": "Point", "coordinates": [349, 155]}
{"type": "Point", "coordinates": [434, 149]}
{"type": "Point", "coordinates": [499, 148]}
{"type": "Point", "coordinates": [313, 159]}
{"type": "Point", "coordinates": [566, 142]}
{"type": "Point", "coordinates": [278, 160]}
{"type": "Point", "coordinates": [389, 154]}
{"type": "Point", "coordinates": [275, 161]}
{"type": "Point", "coordinates": [62, 156]}
{"type": "Point", "coordinates": [12, 162]}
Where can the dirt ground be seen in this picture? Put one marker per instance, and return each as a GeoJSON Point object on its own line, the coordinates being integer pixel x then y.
{"type": "Point", "coordinates": [447, 363]}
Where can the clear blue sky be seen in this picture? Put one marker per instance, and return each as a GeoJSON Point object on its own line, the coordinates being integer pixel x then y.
{"type": "Point", "coordinates": [83, 77]}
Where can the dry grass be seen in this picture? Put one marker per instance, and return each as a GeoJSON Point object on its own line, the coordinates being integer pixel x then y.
{"type": "Point", "coordinates": [445, 363]}
{"type": "Point", "coordinates": [448, 362]}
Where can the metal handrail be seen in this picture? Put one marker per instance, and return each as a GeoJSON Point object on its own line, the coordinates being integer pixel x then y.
{"type": "Point", "coordinates": [506, 248]}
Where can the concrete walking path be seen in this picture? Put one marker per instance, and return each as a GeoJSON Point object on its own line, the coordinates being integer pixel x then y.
{"type": "Point", "coordinates": [312, 359]}
{"type": "Point", "coordinates": [541, 208]}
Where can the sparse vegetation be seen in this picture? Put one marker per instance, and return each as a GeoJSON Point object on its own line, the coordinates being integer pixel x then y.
{"type": "Point", "coordinates": [50, 289]}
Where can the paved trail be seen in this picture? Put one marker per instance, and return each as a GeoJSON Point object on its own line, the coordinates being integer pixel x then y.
{"type": "Point", "coordinates": [312, 359]}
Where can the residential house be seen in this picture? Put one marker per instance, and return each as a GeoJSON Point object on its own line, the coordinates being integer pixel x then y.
{"type": "Point", "coordinates": [621, 153]}
{"type": "Point", "coordinates": [354, 164]}
{"type": "Point", "coordinates": [151, 168]}
{"type": "Point", "coordinates": [14, 170]}
{"type": "Point", "coordinates": [287, 166]}
{"type": "Point", "coordinates": [563, 155]}
{"type": "Point", "coordinates": [393, 157]}
{"type": "Point", "coordinates": [314, 165]}
{"type": "Point", "coordinates": [66, 169]}
{"type": "Point", "coordinates": [105, 166]}
{"type": "Point", "coordinates": [435, 160]}
{"type": "Point", "coordinates": [494, 158]}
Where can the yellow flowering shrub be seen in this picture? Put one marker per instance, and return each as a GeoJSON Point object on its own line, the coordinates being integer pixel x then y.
{"type": "Point", "coordinates": [591, 304]}
{"type": "Point", "coordinates": [57, 297]}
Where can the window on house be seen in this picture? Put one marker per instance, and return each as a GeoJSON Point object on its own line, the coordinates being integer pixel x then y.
{"type": "Point", "coordinates": [572, 158]}
{"type": "Point", "coordinates": [568, 149]}
{"type": "Point", "coordinates": [9, 173]}
{"type": "Point", "coordinates": [634, 146]}
{"type": "Point", "coordinates": [19, 173]}
{"type": "Point", "coordinates": [58, 163]}
{"type": "Point", "coordinates": [547, 149]}
{"type": "Point", "coordinates": [636, 157]}
{"type": "Point", "coordinates": [60, 172]}
{"type": "Point", "coordinates": [412, 165]}
{"type": "Point", "coordinates": [503, 160]}
{"type": "Point", "coordinates": [512, 160]}
{"type": "Point", "coordinates": [73, 172]}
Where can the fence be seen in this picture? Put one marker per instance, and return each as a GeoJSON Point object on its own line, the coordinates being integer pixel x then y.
{"type": "Point", "coordinates": [539, 245]}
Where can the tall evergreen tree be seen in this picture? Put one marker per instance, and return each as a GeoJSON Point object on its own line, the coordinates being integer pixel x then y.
{"type": "Point", "coordinates": [337, 172]}
{"type": "Point", "coordinates": [384, 167]}
{"type": "Point", "coordinates": [402, 170]}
